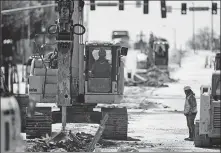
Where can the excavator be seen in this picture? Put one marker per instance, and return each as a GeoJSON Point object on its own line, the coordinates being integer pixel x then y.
{"type": "Point", "coordinates": [122, 37]}
{"type": "Point", "coordinates": [161, 54]}
{"type": "Point", "coordinates": [207, 127]}
{"type": "Point", "coordinates": [69, 91]}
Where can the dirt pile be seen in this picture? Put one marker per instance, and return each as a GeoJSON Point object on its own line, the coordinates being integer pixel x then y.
{"type": "Point", "coordinates": [152, 105]}
{"type": "Point", "coordinates": [127, 149]}
{"type": "Point", "coordinates": [156, 77]}
{"type": "Point", "coordinates": [136, 103]}
{"type": "Point", "coordinates": [68, 144]}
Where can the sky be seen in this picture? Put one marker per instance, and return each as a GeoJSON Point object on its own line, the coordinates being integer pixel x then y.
{"type": "Point", "coordinates": [176, 26]}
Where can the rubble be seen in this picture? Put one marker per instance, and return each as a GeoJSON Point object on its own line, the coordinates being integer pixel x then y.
{"type": "Point", "coordinates": [65, 145]}
{"type": "Point", "coordinates": [151, 105]}
{"type": "Point", "coordinates": [127, 149]}
{"type": "Point", "coordinates": [156, 77]}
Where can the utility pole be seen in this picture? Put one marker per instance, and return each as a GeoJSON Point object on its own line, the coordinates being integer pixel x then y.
{"type": "Point", "coordinates": [174, 32]}
{"type": "Point", "coordinates": [87, 22]}
{"type": "Point", "coordinates": [211, 41]}
{"type": "Point", "coordinates": [1, 56]}
{"type": "Point", "coordinates": [194, 44]}
{"type": "Point", "coordinates": [22, 47]}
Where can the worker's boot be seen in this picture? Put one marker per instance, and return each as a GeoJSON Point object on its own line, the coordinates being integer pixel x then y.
{"type": "Point", "coordinates": [190, 137]}
{"type": "Point", "coordinates": [193, 133]}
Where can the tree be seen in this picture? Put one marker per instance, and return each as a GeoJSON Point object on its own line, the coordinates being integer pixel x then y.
{"type": "Point", "coordinates": [22, 26]}
{"type": "Point", "coordinates": [203, 40]}
{"type": "Point", "coordinates": [21, 19]}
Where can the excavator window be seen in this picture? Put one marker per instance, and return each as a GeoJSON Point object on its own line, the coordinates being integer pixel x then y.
{"type": "Point", "coordinates": [216, 88]}
{"type": "Point", "coordinates": [100, 68]}
{"type": "Point", "coordinates": [217, 62]}
{"type": "Point", "coordinates": [101, 65]}
{"type": "Point", "coordinates": [205, 90]}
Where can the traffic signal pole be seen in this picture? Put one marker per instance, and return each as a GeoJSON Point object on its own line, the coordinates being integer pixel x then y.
{"type": "Point", "coordinates": [211, 43]}
{"type": "Point", "coordinates": [193, 24]}
{"type": "Point", "coordinates": [1, 56]}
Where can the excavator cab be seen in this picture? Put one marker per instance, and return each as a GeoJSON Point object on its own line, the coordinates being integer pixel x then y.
{"type": "Point", "coordinates": [104, 72]}
{"type": "Point", "coordinates": [161, 50]}
{"type": "Point", "coordinates": [217, 62]}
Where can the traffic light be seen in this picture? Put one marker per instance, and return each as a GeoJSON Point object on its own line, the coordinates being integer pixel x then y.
{"type": "Point", "coordinates": [183, 8]}
{"type": "Point", "coordinates": [214, 8]}
{"type": "Point", "coordinates": [121, 5]}
{"type": "Point", "coordinates": [92, 5]}
{"type": "Point", "coordinates": [163, 9]}
{"type": "Point", "coordinates": [146, 6]}
{"type": "Point", "coordinates": [138, 3]}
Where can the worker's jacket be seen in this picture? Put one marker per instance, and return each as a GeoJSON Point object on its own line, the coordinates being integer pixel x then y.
{"type": "Point", "coordinates": [101, 69]}
{"type": "Point", "coordinates": [190, 104]}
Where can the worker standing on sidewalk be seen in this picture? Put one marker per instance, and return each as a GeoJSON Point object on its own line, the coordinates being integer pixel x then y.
{"type": "Point", "coordinates": [190, 111]}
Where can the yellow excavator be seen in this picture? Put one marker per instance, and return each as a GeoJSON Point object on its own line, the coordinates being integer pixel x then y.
{"type": "Point", "coordinates": [73, 86]}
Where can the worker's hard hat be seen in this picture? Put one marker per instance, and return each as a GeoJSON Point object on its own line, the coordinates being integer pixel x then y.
{"type": "Point", "coordinates": [187, 87]}
{"type": "Point", "coordinates": [102, 52]}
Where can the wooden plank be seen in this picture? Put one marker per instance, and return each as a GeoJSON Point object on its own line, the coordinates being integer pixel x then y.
{"type": "Point", "coordinates": [98, 134]}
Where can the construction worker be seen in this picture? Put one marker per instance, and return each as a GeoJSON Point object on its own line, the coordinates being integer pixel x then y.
{"type": "Point", "coordinates": [206, 61]}
{"type": "Point", "coordinates": [190, 111]}
{"type": "Point", "coordinates": [101, 68]}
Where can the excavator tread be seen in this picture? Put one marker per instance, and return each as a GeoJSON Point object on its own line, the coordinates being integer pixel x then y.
{"type": "Point", "coordinates": [116, 127]}
{"type": "Point", "coordinates": [40, 124]}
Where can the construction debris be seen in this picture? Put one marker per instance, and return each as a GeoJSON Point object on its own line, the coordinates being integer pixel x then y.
{"type": "Point", "coordinates": [127, 149]}
{"type": "Point", "coordinates": [65, 145]}
{"type": "Point", "coordinates": [155, 77]}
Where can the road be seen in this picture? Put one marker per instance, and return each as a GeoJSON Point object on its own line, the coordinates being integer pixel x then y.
{"type": "Point", "coordinates": [155, 114]}
{"type": "Point", "coordinates": [165, 128]}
